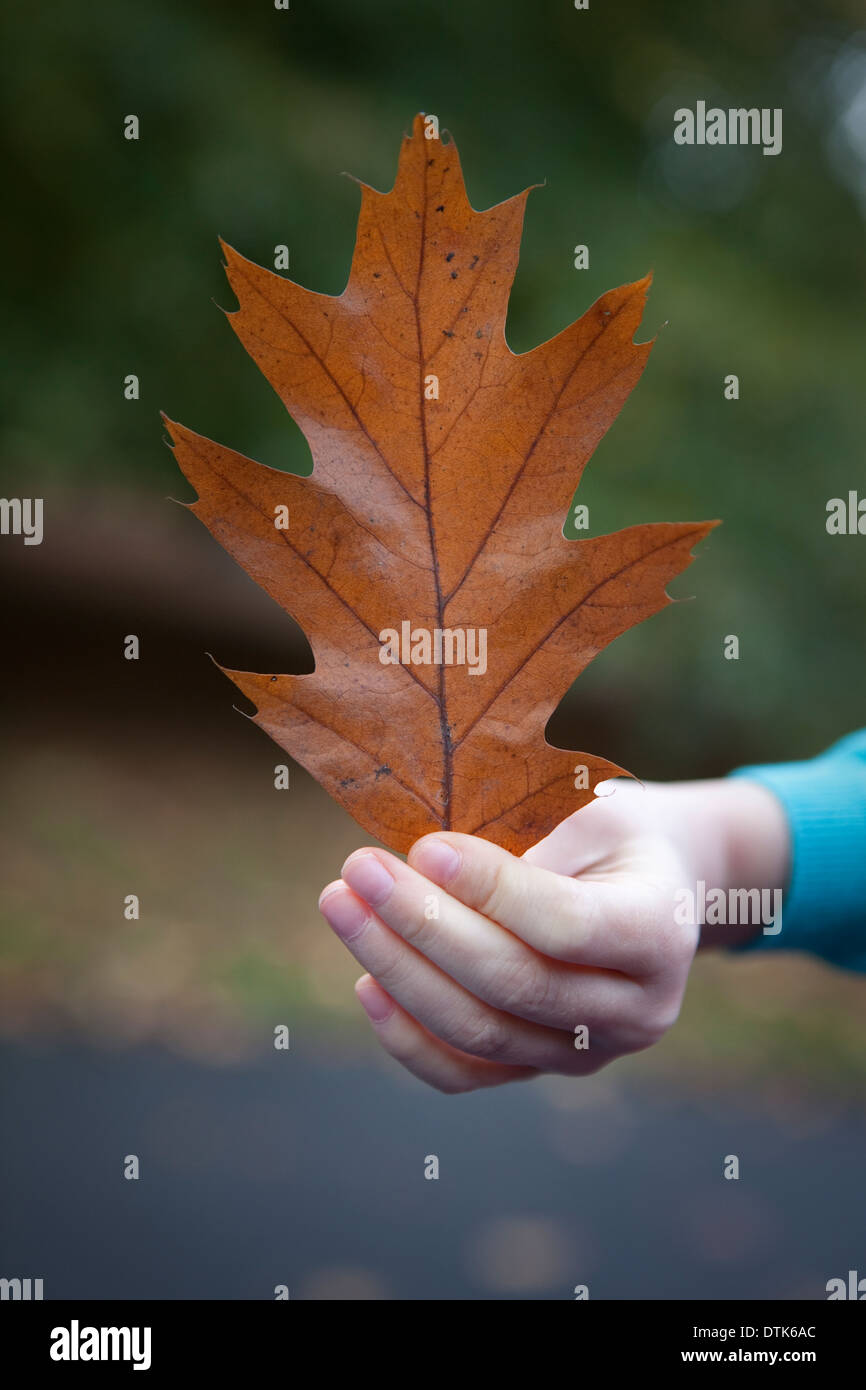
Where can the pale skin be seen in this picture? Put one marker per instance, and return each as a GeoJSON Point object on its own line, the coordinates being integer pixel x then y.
{"type": "Point", "coordinates": [481, 966]}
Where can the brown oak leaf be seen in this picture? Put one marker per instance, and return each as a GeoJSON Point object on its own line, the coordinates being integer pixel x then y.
{"type": "Point", "coordinates": [444, 464]}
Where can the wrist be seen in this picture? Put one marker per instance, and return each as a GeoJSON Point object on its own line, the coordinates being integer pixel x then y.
{"type": "Point", "coordinates": [734, 837]}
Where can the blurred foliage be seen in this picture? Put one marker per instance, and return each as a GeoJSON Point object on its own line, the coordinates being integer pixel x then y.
{"type": "Point", "coordinates": [247, 116]}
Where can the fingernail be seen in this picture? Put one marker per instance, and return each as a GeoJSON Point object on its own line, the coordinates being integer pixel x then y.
{"type": "Point", "coordinates": [377, 1005]}
{"type": "Point", "coordinates": [435, 859]}
{"type": "Point", "coordinates": [369, 878]}
{"type": "Point", "coordinates": [342, 912]}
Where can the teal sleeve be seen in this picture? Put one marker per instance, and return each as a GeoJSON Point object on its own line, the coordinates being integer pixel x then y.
{"type": "Point", "coordinates": [824, 908]}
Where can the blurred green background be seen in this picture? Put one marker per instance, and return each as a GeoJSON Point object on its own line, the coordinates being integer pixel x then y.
{"type": "Point", "coordinates": [140, 777]}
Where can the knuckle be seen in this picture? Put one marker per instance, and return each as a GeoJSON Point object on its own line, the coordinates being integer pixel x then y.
{"type": "Point", "coordinates": [416, 929]}
{"type": "Point", "coordinates": [494, 893]}
{"type": "Point", "coordinates": [528, 987]}
{"type": "Point", "coordinates": [647, 1025]}
{"type": "Point", "coordinates": [485, 1036]}
{"type": "Point", "coordinates": [395, 974]}
{"type": "Point", "coordinates": [577, 923]}
{"type": "Point", "coordinates": [684, 942]}
{"type": "Point", "coordinates": [643, 1036]}
{"type": "Point", "coordinates": [666, 1015]}
{"type": "Point", "coordinates": [670, 950]}
{"type": "Point", "coordinates": [660, 942]}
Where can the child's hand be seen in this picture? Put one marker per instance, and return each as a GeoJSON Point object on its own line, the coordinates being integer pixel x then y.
{"type": "Point", "coordinates": [485, 968]}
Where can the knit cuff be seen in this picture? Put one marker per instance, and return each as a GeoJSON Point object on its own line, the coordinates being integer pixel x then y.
{"type": "Point", "coordinates": [824, 907]}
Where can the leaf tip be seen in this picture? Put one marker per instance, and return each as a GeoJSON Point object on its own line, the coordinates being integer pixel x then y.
{"type": "Point", "coordinates": [176, 431]}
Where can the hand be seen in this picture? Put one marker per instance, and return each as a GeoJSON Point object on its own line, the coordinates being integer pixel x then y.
{"type": "Point", "coordinates": [484, 968]}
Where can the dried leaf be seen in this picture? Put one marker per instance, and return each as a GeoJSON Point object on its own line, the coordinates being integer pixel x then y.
{"type": "Point", "coordinates": [443, 468]}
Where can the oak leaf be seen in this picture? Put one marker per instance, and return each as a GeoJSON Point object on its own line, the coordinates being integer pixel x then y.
{"type": "Point", "coordinates": [444, 464]}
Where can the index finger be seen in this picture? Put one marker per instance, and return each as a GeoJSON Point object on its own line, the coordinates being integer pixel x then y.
{"type": "Point", "coordinates": [608, 924]}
